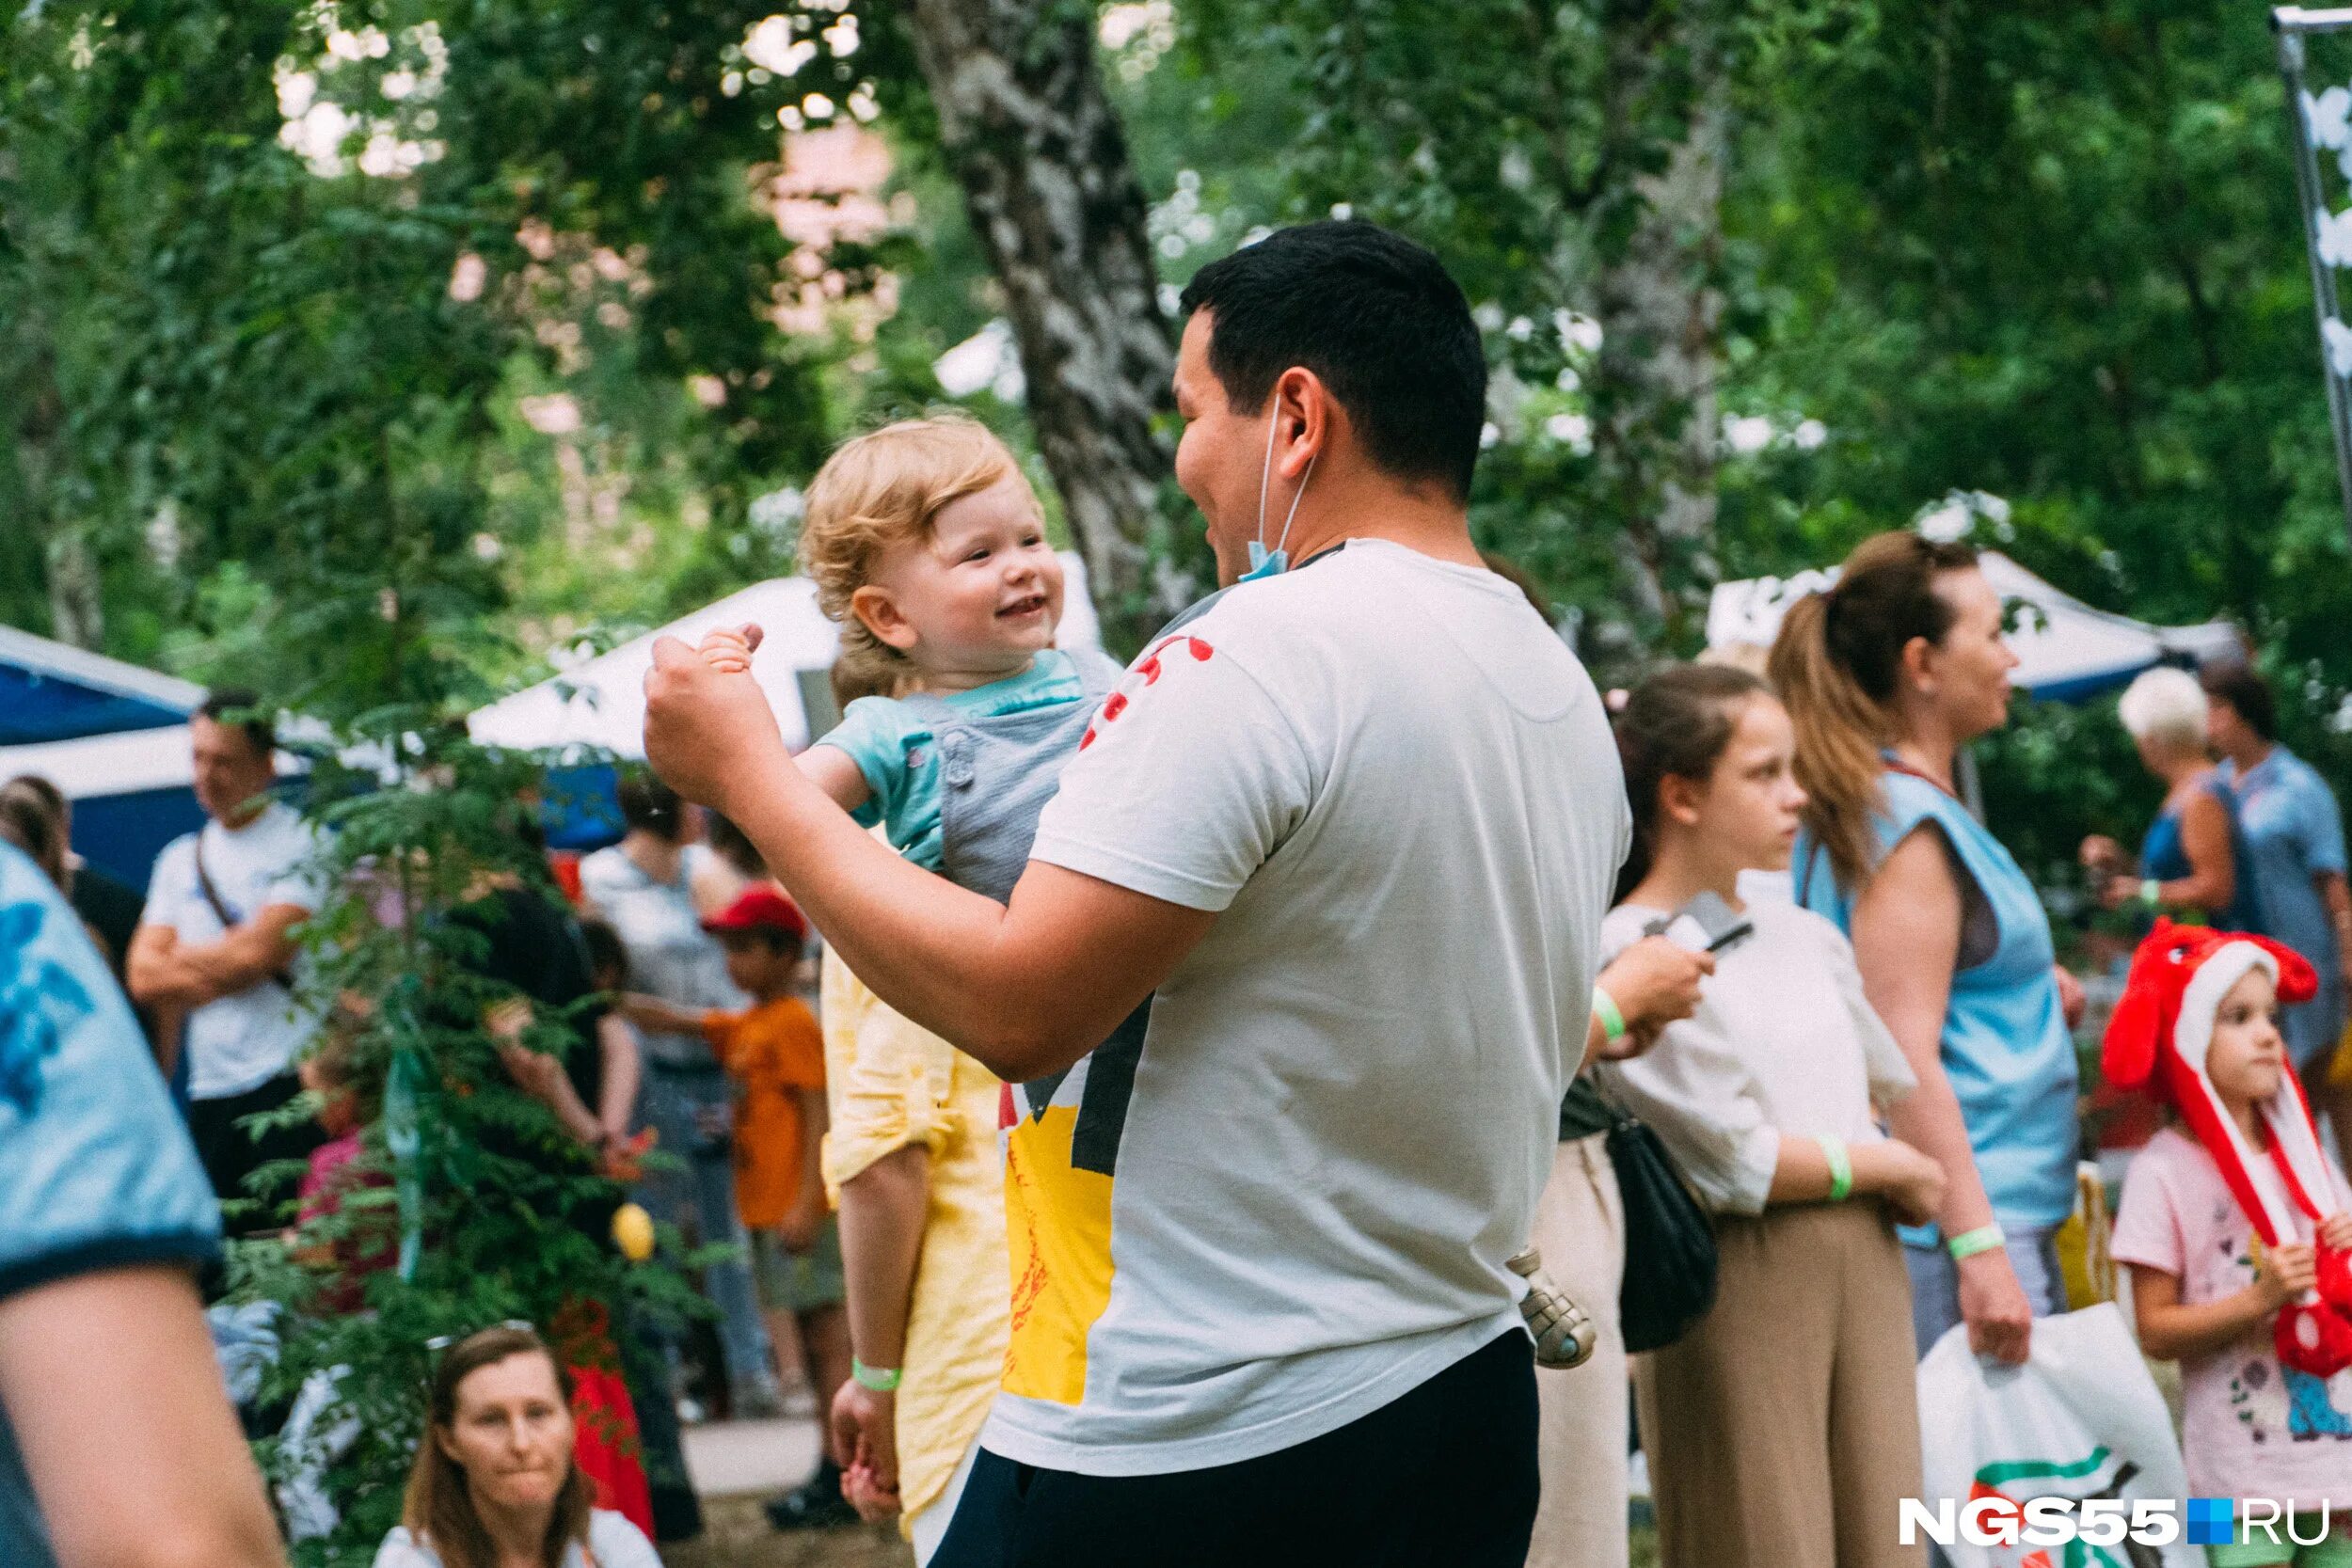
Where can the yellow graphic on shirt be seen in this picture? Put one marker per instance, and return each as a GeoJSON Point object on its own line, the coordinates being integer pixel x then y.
{"type": "Point", "coordinates": [1057, 1226]}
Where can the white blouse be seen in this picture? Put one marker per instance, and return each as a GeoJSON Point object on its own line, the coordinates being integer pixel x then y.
{"type": "Point", "coordinates": [612, 1543]}
{"type": "Point", "coordinates": [1783, 1042]}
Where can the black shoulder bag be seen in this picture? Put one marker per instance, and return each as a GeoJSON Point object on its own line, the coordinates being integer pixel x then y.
{"type": "Point", "coordinates": [1669, 1278]}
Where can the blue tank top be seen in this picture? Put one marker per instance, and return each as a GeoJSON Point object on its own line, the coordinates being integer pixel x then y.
{"type": "Point", "coordinates": [2163, 857]}
{"type": "Point", "coordinates": [2005, 1048]}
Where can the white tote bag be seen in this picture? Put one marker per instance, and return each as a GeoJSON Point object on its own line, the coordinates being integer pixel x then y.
{"type": "Point", "coordinates": [2082, 1419]}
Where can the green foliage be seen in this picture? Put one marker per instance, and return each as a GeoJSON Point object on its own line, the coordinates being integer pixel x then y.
{"type": "Point", "coordinates": [2056, 255]}
{"type": "Point", "coordinates": [250, 342]}
{"type": "Point", "coordinates": [510, 1217]}
{"type": "Point", "coordinates": [2052, 254]}
{"type": "Point", "coordinates": [271, 357]}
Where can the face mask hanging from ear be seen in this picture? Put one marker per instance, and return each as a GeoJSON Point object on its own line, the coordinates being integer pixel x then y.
{"type": "Point", "coordinates": [1262, 562]}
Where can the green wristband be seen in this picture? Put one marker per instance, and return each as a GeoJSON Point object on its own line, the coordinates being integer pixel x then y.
{"type": "Point", "coordinates": [2151, 892]}
{"type": "Point", "coordinates": [880, 1381]}
{"type": "Point", "coordinates": [1840, 1168]}
{"type": "Point", "coordinates": [1984, 1238]}
{"type": "Point", "coordinates": [1611, 1020]}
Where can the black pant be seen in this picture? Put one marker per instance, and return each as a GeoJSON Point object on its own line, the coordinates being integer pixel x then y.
{"type": "Point", "coordinates": [232, 1153]}
{"type": "Point", "coordinates": [1441, 1478]}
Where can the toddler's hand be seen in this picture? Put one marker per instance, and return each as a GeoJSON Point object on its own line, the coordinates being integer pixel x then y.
{"type": "Point", "coordinates": [2336, 1230]}
{"type": "Point", "coordinates": [728, 649]}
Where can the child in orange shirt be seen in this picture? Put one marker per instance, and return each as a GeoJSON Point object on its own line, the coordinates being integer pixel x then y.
{"type": "Point", "coordinates": [776, 1055]}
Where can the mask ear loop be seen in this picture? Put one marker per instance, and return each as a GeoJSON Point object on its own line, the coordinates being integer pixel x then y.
{"type": "Point", "coordinates": [1265, 481]}
{"type": "Point", "coordinates": [1265, 471]}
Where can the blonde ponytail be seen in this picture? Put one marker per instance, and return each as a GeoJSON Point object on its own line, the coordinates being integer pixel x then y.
{"type": "Point", "coordinates": [1839, 735]}
{"type": "Point", "coordinates": [1837, 663]}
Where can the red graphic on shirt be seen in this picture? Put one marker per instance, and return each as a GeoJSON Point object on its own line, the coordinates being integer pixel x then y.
{"type": "Point", "coordinates": [1150, 669]}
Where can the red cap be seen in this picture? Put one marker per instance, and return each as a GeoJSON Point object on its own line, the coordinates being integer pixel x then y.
{"type": "Point", "coordinates": [760, 909]}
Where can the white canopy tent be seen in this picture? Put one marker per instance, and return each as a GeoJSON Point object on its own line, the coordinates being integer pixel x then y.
{"type": "Point", "coordinates": [2067, 651]}
{"type": "Point", "coordinates": [600, 702]}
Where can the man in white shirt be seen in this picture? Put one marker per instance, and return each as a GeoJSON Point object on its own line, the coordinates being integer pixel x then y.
{"type": "Point", "coordinates": [1292, 987]}
{"type": "Point", "coordinates": [215, 946]}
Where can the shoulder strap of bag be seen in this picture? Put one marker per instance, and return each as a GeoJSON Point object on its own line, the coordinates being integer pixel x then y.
{"type": "Point", "coordinates": [1619, 1114]}
{"type": "Point", "coordinates": [221, 912]}
{"type": "Point", "coordinates": [229, 918]}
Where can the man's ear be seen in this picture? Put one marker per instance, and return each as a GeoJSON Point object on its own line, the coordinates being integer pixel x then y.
{"type": "Point", "coordinates": [879, 611]}
{"type": "Point", "coordinates": [1307, 417]}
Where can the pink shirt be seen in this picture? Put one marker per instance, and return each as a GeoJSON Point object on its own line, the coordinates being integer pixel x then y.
{"type": "Point", "coordinates": [2249, 1428]}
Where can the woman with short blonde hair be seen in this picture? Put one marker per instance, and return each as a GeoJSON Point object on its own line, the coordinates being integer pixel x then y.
{"type": "Point", "coordinates": [2193, 857]}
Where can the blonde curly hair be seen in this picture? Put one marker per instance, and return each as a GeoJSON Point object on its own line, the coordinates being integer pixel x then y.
{"type": "Point", "coordinates": [880, 490]}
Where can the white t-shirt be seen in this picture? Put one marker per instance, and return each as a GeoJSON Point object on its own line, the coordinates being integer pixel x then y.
{"type": "Point", "coordinates": [1783, 1041]}
{"type": "Point", "coordinates": [612, 1543]}
{"type": "Point", "coordinates": [239, 1042]}
{"type": "Point", "coordinates": [1290, 1200]}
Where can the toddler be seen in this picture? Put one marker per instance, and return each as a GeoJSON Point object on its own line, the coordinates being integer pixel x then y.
{"type": "Point", "coordinates": [929, 548]}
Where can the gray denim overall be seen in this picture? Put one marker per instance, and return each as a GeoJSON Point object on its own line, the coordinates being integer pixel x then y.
{"type": "Point", "coordinates": [995, 774]}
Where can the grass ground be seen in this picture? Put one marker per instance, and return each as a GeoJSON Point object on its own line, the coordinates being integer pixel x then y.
{"type": "Point", "coordinates": [737, 1535]}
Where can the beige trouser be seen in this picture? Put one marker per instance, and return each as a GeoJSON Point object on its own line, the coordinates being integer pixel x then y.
{"type": "Point", "coordinates": [1581, 1443]}
{"type": "Point", "coordinates": [1784, 1427]}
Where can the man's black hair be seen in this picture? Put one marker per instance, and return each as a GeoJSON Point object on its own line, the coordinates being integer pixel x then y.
{"type": "Point", "coordinates": [2240, 686]}
{"type": "Point", "coordinates": [647, 802]}
{"type": "Point", "coordinates": [241, 709]}
{"type": "Point", "coordinates": [1373, 314]}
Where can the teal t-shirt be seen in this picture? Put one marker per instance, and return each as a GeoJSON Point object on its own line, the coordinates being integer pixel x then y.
{"type": "Point", "coordinates": [892, 743]}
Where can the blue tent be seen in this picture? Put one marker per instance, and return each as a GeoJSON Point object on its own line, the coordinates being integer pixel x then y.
{"type": "Point", "coordinates": [50, 691]}
{"type": "Point", "coordinates": [110, 736]}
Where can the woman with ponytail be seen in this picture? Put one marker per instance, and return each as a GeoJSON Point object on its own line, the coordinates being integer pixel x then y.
{"type": "Point", "coordinates": [1886, 676]}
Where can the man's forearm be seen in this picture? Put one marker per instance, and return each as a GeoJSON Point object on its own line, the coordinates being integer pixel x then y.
{"type": "Point", "coordinates": [238, 962]}
{"type": "Point", "coordinates": [157, 977]}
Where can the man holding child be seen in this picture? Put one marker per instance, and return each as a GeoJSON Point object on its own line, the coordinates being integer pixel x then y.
{"type": "Point", "coordinates": [1344, 837]}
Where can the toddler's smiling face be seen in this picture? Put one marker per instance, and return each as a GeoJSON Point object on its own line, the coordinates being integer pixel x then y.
{"type": "Point", "coordinates": [975, 597]}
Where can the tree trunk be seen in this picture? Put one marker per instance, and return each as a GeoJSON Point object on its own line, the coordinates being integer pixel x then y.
{"type": "Point", "coordinates": [1661, 312]}
{"type": "Point", "coordinates": [77, 591]}
{"type": "Point", "coordinates": [77, 612]}
{"type": "Point", "coordinates": [1043, 160]}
